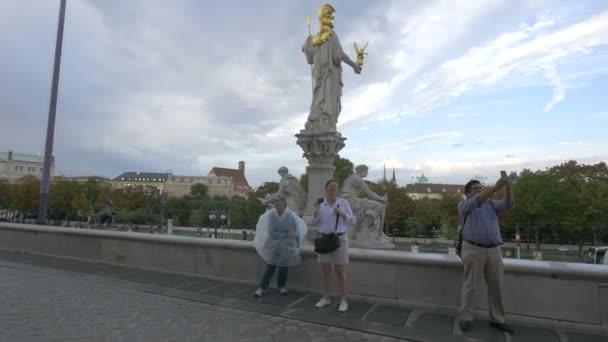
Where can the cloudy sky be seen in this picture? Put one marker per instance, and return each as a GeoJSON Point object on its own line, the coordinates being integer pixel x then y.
{"type": "Point", "coordinates": [452, 89]}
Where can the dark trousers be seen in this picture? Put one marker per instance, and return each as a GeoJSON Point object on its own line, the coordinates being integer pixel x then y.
{"type": "Point", "coordinates": [281, 281]}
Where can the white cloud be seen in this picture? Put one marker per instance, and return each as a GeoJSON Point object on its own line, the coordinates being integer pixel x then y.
{"type": "Point", "coordinates": [558, 87]}
{"type": "Point", "coordinates": [144, 84]}
{"type": "Point", "coordinates": [523, 52]}
{"type": "Point", "coordinates": [603, 115]}
{"type": "Point", "coordinates": [573, 143]}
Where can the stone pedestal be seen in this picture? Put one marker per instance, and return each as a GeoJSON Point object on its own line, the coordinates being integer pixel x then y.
{"type": "Point", "coordinates": [320, 149]}
{"type": "Point", "coordinates": [381, 243]}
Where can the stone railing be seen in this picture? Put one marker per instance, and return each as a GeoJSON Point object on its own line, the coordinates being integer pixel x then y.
{"type": "Point", "coordinates": [568, 293]}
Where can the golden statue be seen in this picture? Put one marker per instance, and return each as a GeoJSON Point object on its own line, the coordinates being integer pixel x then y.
{"type": "Point", "coordinates": [324, 53]}
{"type": "Point", "coordinates": [360, 53]}
{"type": "Point", "coordinates": [326, 24]}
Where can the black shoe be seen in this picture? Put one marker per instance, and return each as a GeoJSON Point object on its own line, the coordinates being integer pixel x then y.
{"type": "Point", "coordinates": [502, 327]}
{"type": "Point", "coordinates": [466, 325]}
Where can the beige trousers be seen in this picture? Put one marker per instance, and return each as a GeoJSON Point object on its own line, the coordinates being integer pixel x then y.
{"type": "Point", "coordinates": [482, 263]}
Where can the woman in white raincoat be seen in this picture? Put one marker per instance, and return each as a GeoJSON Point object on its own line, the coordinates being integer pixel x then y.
{"type": "Point", "coordinates": [277, 240]}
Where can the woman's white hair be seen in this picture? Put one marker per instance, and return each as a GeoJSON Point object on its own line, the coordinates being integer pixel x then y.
{"type": "Point", "coordinates": [279, 198]}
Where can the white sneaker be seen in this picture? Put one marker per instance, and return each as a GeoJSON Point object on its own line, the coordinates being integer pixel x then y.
{"type": "Point", "coordinates": [343, 306]}
{"type": "Point", "coordinates": [283, 290]}
{"type": "Point", "coordinates": [258, 293]}
{"type": "Point", "coordinates": [323, 302]}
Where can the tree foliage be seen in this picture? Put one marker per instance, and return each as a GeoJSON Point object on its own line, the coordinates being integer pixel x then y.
{"type": "Point", "coordinates": [566, 203]}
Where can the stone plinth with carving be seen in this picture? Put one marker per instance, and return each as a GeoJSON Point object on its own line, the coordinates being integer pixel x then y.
{"type": "Point", "coordinates": [320, 149]}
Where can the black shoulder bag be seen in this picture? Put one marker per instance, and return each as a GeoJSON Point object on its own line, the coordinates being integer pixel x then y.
{"type": "Point", "coordinates": [327, 243]}
{"type": "Point", "coordinates": [458, 242]}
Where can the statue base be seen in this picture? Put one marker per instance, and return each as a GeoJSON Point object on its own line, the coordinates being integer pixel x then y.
{"type": "Point", "coordinates": [320, 149]}
{"type": "Point", "coordinates": [371, 245]}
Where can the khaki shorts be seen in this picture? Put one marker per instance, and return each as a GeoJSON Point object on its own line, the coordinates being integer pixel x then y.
{"type": "Point", "coordinates": [337, 257]}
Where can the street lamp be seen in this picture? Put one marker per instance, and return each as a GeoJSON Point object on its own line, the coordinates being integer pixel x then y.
{"type": "Point", "coordinates": [212, 217]}
{"type": "Point", "coordinates": [50, 128]}
{"type": "Point", "coordinates": [223, 219]}
{"type": "Point", "coordinates": [163, 199]}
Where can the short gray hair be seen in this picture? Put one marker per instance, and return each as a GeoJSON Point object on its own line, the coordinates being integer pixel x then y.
{"type": "Point", "coordinates": [279, 198]}
{"type": "Point", "coordinates": [360, 168]}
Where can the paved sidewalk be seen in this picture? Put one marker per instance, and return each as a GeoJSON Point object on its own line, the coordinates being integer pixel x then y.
{"type": "Point", "coordinates": [53, 299]}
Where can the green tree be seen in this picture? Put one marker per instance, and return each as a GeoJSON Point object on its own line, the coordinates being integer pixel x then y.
{"type": "Point", "coordinates": [5, 195]}
{"type": "Point", "coordinates": [197, 218]}
{"type": "Point", "coordinates": [400, 206]}
{"type": "Point", "coordinates": [344, 168]}
{"type": "Point", "coordinates": [414, 227]}
{"type": "Point", "coordinates": [539, 208]}
{"type": "Point", "coordinates": [199, 190]}
{"type": "Point", "coordinates": [579, 182]}
{"type": "Point", "coordinates": [81, 205]}
{"type": "Point", "coordinates": [27, 194]}
{"type": "Point", "coordinates": [304, 181]}
{"type": "Point", "coordinates": [61, 194]}
{"type": "Point", "coordinates": [267, 188]}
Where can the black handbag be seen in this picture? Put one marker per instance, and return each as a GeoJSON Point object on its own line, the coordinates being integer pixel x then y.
{"type": "Point", "coordinates": [327, 243]}
{"type": "Point", "coordinates": [458, 242]}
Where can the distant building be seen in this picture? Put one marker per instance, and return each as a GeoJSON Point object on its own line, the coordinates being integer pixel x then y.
{"type": "Point", "coordinates": [179, 186]}
{"type": "Point", "coordinates": [423, 189]}
{"type": "Point", "coordinates": [84, 179]}
{"type": "Point", "coordinates": [131, 178]}
{"type": "Point", "coordinates": [175, 185]}
{"type": "Point", "coordinates": [13, 166]}
{"type": "Point", "coordinates": [241, 186]}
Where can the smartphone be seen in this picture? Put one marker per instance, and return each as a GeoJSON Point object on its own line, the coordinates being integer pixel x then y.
{"type": "Point", "coordinates": [503, 174]}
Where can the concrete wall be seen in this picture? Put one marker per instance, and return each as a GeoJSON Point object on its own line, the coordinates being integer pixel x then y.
{"type": "Point", "coordinates": [576, 293]}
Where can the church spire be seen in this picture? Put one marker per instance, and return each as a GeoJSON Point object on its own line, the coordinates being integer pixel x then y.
{"type": "Point", "coordinates": [384, 178]}
{"type": "Point", "coordinates": [394, 179]}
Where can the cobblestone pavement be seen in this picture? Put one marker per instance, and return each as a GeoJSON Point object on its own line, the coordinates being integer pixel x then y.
{"type": "Point", "coordinates": [45, 298]}
{"type": "Point", "coordinates": [44, 307]}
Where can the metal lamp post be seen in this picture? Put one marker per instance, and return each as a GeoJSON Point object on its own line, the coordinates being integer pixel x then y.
{"type": "Point", "coordinates": [223, 219]}
{"type": "Point", "coordinates": [212, 217]}
{"type": "Point", "coordinates": [43, 203]}
{"type": "Point", "coordinates": [163, 200]}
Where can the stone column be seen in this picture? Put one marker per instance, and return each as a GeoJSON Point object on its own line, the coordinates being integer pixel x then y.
{"type": "Point", "coordinates": [320, 149]}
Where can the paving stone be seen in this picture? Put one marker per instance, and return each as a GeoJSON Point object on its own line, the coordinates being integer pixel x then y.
{"type": "Point", "coordinates": [45, 299]}
{"type": "Point", "coordinates": [388, 314]}
{"type": "Point", "coordinates": [227, 290]}
{"type": "Point", "coordinates": [271, 296]}
{"type": "Point", "coordinates": [200, 285]}
{"type": "Point", "coordinates": [580, 337]}
{"type": "Point", "coordinates": [533, 334]}
{"type": "Point", "coordinates": [434, 321]}
{"type": "Point", "coordinates": [482, 330]}
{"type": "Point", "coordinates": [158, 278]}
{"type": "Point", "coordinates": [356, 309]}
{"type": "Point", "coordinates": [87, 311]}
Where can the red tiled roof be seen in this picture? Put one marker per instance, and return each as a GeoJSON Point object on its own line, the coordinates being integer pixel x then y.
{"type": "Point", "coordinates": [238, 178]}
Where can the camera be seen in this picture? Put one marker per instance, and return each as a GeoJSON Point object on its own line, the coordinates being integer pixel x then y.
{"type": "Point", "coordinates": [320, 200]}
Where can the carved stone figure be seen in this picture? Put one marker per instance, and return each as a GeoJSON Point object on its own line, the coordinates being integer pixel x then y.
{"type": "Point", "coordinates": [325, 53]}
{"type": "Point", "coordinates": [369, 211]}
{"type": "Point", "coordinates": [108, 215]}
{"type": "Point", "coordinates": [290, 187]}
